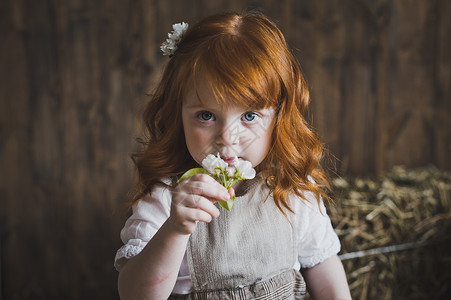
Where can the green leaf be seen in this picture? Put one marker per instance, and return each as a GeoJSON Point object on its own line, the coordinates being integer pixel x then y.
{"type": "Point", "coordinates": [227, 205]}
{"type": "Point", "coordinates": [192, 172]}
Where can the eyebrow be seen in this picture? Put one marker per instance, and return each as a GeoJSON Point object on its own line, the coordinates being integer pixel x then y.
{"type": "Point", "coordinates": [198, 105]}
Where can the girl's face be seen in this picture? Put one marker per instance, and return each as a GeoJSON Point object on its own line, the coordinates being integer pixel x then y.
{"type": "Point", "coordinates": [230, 130]}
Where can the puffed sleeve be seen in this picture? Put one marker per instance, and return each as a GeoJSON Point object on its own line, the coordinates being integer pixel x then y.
{"type": "Point", "coordinates": [317, 239]}
{"type": "Point", "coordinates": [147, 217]}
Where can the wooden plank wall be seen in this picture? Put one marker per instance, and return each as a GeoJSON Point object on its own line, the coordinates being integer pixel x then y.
{"type": "Point", "coordinates": [73, 78]}
{"type": "Point", "coordinates": [380, 75]}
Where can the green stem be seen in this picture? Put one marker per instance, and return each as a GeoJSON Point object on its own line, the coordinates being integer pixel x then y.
{"type": "Point", "coordinates": [220, 179]}
{"type": "Point", "coordinates": [235, 180]}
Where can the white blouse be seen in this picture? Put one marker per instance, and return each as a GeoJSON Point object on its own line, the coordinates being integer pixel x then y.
{"type": "Point", "coordinates": [316, 238]}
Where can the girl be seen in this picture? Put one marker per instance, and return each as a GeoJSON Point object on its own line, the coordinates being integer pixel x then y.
{"type": "Point", "coordinates": [231, 87]}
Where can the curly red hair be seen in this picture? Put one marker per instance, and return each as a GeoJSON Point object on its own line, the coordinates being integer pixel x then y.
{"type": "Point", "coordinates": [246, 58]}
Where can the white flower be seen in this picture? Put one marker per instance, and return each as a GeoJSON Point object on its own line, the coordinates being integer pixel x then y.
{"type": "Point", "coordinates": [244, 169]}
{"type": "Point", "coordinates": [170, 45]}
{"type": "Point", "coordinates": [179, 30]}
{"type": "Point", "coordinates": [228, 175]}
{"type": "Point", "coordinates": [214, 163]}
{"type": "Point", "coordinates": [239, 169]}
{"type": "Point", "coordinates": [231, 171]}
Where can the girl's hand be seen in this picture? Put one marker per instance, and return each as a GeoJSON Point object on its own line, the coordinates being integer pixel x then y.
{"type": "Point", "coordinates": [193, 201]}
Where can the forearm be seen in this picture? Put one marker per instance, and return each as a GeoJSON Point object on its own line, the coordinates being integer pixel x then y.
{"type": "Point", "coordinates": [327, 280]}
{"type": "Point", "coordinates": [153, 272]}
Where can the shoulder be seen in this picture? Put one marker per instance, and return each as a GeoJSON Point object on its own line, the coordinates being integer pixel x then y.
{"type": "Point", "coordinates": [157, 202]}
{"type": "Point", "coordinates": [309, 203]}
{"type": "Point", "coordinates": [160, 191]}
{"type": "Point", "coordinates": [148, 214]}
{"type": "Point", "coordinates": [310, 215]}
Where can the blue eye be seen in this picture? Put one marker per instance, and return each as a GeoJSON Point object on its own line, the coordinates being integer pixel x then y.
{"type": "Point", "coordinates": [206, 116]}
{"type": "Point", "coordinates": [249, 116]}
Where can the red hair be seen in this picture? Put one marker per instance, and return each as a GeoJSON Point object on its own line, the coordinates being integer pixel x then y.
{"type": "Point", "coordinates": [244, 57]}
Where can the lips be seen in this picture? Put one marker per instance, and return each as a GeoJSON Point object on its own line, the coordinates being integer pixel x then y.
{"type": "Point", "coordinates": [228, 160]}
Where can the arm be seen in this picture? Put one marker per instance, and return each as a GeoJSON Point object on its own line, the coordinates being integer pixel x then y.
{"type": "Point", "coordinates": [153, 272]}
{"type": "Point", "coordinates": [327, 280]}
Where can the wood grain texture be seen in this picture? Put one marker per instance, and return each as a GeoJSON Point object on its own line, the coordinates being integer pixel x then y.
{"type": "Point", "coordinates": [73, 80]}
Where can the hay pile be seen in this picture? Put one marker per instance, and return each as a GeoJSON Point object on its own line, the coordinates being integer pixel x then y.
{"type": "Point", "coordinates": [405, 218]}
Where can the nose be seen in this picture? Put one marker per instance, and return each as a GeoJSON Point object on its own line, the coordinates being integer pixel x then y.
{"type": "Point", "coordinates": [228, 134]}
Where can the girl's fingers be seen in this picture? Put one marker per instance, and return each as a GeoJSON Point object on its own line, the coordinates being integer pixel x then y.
{"type": "Point", "coordinates": [193, 201]}
{"type": "Point", "coordinates": [184, 219]}
{"type": "Point", "coordinates": [208, 206]}
{"type": "Point", "coordinates": [199, 202]}
{"type": "Point", "coordinates": [199, 215]}
{"type": "Point", "coordinates": [184, 199]}
{"type": "Point", "coordinates": [231, 192]}
{"type": "Point", "coordinates": [213, 191]}
{"type": "Point", "coordinates": [204, 185]}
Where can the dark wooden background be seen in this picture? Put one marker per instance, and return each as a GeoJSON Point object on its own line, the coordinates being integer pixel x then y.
{"type": "Point", "coordinates": [73, 79]}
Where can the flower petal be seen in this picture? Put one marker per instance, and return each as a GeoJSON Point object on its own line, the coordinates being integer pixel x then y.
{"type": "Point", "coordinates": [211, 163]}
{"type": "Point", "coordinates": [244, 168]}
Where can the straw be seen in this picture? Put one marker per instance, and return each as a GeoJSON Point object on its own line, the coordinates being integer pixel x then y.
{"type": "Point", "coordinates": [396, 233]}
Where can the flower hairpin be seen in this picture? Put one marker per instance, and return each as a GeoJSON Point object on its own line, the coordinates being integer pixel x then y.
{"type": "Point", "coordinates": [170, 45]}
{"type": "Point", "coordinates": [226, 175]}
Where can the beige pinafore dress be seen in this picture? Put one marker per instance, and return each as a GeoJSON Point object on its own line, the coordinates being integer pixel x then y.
{"type": "Point", "coordinates": [247, 253]}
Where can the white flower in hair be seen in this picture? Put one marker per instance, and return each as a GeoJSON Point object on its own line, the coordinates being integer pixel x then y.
{"type": "Point", "coordinates": [170, 45]}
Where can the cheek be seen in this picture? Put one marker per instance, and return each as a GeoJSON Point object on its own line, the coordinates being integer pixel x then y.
{"type": "Point", "coordinates": [266, 140]}
{"type": "Point", "coordinates": [197, 141]}
{"type": "Point", "coordinates": [191, 138]}
{"type": "Point", "coordinates": [258, 148]}
{"type": "Point", "coordinates": [264, 135]}
{"type": "Point", "coordinates": [198, 136]}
